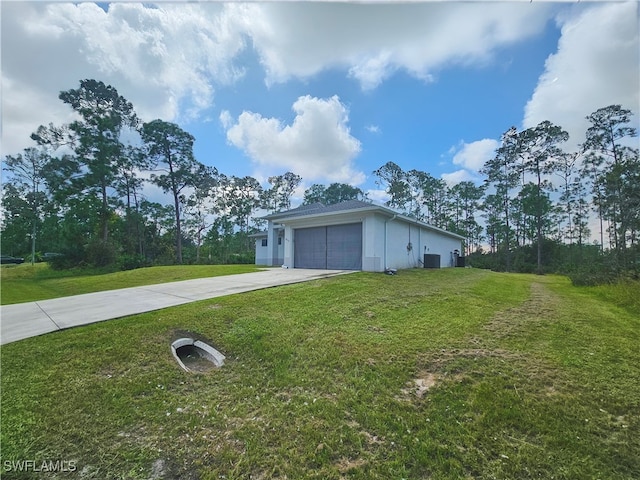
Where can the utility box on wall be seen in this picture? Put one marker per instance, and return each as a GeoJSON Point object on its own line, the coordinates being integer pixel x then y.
{"type": "Point", "coordinates": [431, 260]}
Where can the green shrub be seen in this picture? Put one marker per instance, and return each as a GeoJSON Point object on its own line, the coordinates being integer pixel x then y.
{"type": "Point", "coordinates": [100, 253]}
{"type": "Point", "coordinates": [37, 258]}
{"type": "Point", "coordinates": [69, 259]}
{"type": "Point", "coordinates": [131, 262]}
{"type": "Point", "coordinates": [592, 277]}
{"type": "Point", "coordinates": [241, 258]}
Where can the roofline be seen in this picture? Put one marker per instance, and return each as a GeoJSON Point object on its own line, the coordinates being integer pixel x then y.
{"type": "Point", "coordinates": [372, 208]}
{"type": "Point", "coordinates": [285, 216]}
{"type": "Point", "coordinates": [261, 233]}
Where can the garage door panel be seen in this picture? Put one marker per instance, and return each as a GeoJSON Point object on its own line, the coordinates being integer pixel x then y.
{"type": "Point", "coordinates": [336, 247]}
{"type": "Point", "coordinates": [344, 247]}
{"type": "Point", "coordinates": [310, 248]}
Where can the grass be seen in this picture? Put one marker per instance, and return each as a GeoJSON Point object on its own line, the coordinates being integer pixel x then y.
{"type": "Point", "coordinates": [445, 374]}
{"type": "Point", "coordinates": [28, 283]}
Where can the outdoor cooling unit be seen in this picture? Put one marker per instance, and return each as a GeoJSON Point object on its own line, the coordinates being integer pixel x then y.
{"type": "Point", "coordinates": [431, 260]}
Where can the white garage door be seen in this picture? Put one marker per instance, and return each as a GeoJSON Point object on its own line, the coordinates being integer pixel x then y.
{"type": "Point", "coordinates": [335, 247]}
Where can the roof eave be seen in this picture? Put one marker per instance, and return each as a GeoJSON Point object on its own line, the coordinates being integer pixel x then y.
{"type": "Point", "coordinates": [372, 208]}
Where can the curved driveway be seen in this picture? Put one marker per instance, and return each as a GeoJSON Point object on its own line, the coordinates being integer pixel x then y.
{"type": "Point", "coordinates": [24, 320]}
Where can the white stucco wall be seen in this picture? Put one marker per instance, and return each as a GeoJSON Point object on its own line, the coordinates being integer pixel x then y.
{"type": "Point", "coordinates": [423, 240]}
{"type": "Point", "coordinates": [373, 248]}
{"type": "Point", "coordinates": [439, 244]}
{"type": "Point", "coordinates": [403, 245]}
{"type": "Point", "coordinates": [262, 253]}
{"type": "Point", "coordinates": [272, 254]}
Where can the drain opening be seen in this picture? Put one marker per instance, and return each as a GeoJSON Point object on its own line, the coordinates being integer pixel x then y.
{"type": "Point", "coordinates": [195, 355]}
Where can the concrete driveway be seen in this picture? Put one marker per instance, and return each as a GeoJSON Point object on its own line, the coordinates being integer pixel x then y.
{"type": "Point", "coordinates": [24, 320]}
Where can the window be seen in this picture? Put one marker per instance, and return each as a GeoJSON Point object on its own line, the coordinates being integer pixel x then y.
{"type": "Point", "coordinates": [264, 242]}
{"type": "Point", "coordinates": [279, 240]}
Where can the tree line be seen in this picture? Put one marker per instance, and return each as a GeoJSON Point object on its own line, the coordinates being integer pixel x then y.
{"type": "Point", "coordinates": [537, 200]}
{"type": "Point", "coordinates": [80, 191]}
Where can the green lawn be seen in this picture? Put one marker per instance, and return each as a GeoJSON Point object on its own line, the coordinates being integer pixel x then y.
{"type": "Point", "coordinates": [442, 374]}
{"type": "Point", "coordinates": [27, 283]}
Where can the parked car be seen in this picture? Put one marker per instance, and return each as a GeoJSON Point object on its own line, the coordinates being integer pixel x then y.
{"type": "Point", "coordinates": [9, 259]}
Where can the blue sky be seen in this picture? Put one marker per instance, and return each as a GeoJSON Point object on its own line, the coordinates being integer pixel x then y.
{"type": "Point", "coordinates": [328, 91]}
{"type": "Point", "coordinates": [405, 120]}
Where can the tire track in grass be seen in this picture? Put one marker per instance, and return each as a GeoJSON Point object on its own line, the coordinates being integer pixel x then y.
{"type": "Point", "coordinates": [447, 364]}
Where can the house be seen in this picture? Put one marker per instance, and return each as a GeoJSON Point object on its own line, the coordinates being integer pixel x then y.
{"type": "Point", "coordinates": [353, 235]}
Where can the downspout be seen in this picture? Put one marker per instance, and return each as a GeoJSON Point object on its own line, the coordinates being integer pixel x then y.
{"type": "Point", "coordinates": [419, 245]}
{"type": "Point", "coordinates": [385, 239]}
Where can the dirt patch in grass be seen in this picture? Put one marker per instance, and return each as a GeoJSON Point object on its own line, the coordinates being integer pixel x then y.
{"type": "Point", "coordinates": [420, 385]}
{"type": "Point", "coordinates": [541, 305]}
{"type": "Point", "coordinates": [346, 465]}
{"type": "Point", "coordinates": [453, 365]}
{"type": "Point", "coordinates": [463, 364]}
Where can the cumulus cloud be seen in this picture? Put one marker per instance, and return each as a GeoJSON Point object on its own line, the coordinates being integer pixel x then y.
{"type": "Point", "coordinates": [170, 59]}
{"type": "Point", "coordinates": [596, 65]}
{"type": "Point", "coordinates": [372, 41]}
{"type": "Point", "coordinates": [317, 145]}
{"type": "Point", "coordinates": [458, 176]}
{"type": "Point", "coordinates": [164, 59]}
{"type": "Point", "coordinates": [378, 196]}
{"type": "Point", "coordinates": [472, 156]}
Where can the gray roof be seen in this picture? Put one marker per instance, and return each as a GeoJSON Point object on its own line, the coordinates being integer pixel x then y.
{"type": "Point", "coordinates": [349, 205]}
{"type": "Point", "coordinates": [319, 208]}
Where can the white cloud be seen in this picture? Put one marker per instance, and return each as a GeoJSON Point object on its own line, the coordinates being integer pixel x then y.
{"type": "Point", "coordinates": [378, 196]}
{"type": "Point", "coordinates": [458, 176]}
{"type": "Point", "coordinates": [473, 156]}
{"type": "Point", "coordinates": [164, 59]}
{"type": "Point", "coordinates": [168, 59]}
{"type": "Point", "coordinates": [226, 119]}
{"type": "Point", "coordinates": [317, 145]}
{"type": "Point", "coordinates": [372, 41]}
{"type": "Point", "coordinates": [596, 65]}
{"type": "Point", "coordinates": [373, 128]}
{"type": "Point", "coordinates": [372, 71]}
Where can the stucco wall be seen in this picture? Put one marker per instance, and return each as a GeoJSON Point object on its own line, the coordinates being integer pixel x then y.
{"type": "Point", "coordinates": [262, 253]}
{"type": "Point", "coordinates": [400, 235]}
{"type": "Point", "coordinates": [270, 255]}
{"type": "Point", "coordinates": [373, 240]}
{"type": "Point", "coordinates": [439, 244]}
{"type": "Point", "coordinates": [403, 245]}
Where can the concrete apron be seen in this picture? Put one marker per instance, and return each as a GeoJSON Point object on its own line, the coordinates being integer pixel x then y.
{"type": "Point", "coordinates": [24, 320]}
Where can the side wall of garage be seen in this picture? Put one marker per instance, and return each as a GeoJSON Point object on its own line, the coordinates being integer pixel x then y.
{"type": "Point", "coordinates": [406, 243]}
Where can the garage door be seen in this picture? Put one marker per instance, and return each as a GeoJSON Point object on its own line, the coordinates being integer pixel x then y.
{"type": "Point", "coordinates": [335, 247]}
